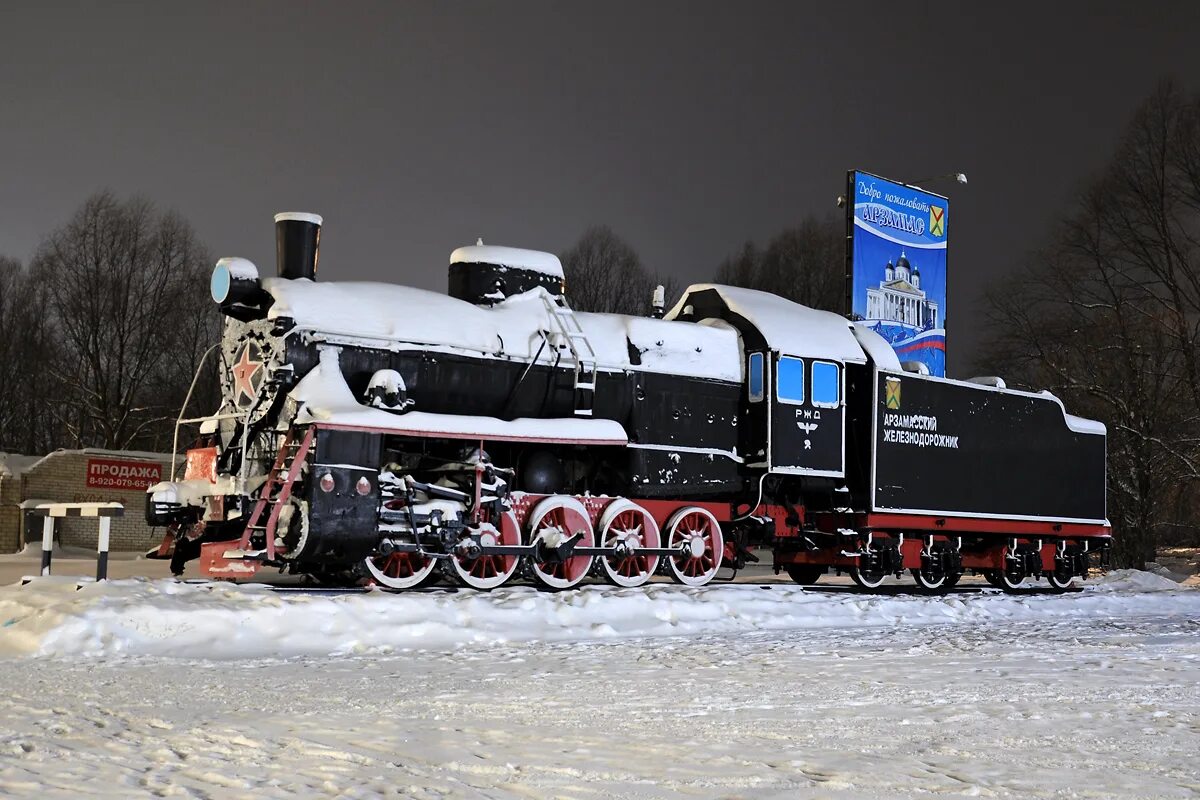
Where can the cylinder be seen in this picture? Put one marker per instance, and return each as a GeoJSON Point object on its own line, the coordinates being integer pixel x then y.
{"type": "Point", "coordinates": [297, 244]}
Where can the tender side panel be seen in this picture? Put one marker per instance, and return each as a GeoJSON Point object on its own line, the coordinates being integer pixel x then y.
{"type": "Point", "coordinates": [952, 448]}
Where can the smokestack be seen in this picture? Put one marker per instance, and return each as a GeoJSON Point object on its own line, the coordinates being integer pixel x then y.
{"type": "Point", "coordinates": [297, 242]}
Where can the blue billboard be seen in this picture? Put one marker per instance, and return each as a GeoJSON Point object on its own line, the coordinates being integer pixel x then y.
{"type": "Point", "coordinates": [898, 267]}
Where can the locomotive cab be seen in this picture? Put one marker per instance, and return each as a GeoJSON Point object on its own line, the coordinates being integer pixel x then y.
{"type": "Point", "coordinates": [793, 415]}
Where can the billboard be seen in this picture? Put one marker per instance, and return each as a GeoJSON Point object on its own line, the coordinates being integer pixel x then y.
{"type": "Point", "coordinates": [122, 475]}
{"type": "Point", "coordinates": [897, 253]}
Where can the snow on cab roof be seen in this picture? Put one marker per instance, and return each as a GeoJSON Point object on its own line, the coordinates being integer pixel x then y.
{"type": "Point", "coordinates": [533, 260]}
{"type": "Point", "coordinates": [788, 327]}
{"type": "Point", "coordinates": [407, 315]}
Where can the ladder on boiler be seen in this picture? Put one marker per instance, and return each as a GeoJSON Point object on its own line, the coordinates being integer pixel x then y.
{"type": "Point", "coordinates": [277, 490]}
{"type": "Point", "coordinates": [567, 326]}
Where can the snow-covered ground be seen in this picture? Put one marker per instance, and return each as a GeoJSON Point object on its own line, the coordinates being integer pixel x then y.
{"type": "Point", "coordinates": [156, 687]}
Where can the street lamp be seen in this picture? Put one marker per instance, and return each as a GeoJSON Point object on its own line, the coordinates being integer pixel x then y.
{"type": "Point", "coordinates": [960, 177]}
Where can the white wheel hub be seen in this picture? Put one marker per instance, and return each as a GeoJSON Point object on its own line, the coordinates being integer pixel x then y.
{"type": "Point", "coordinates": [630, 540]}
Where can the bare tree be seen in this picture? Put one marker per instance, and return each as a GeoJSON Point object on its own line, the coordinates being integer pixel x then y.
{"type": "Point", "coordinates": [604, 273]}
{"type": "Point", "coordinates": [1107, 316]}
{"type": "Point", "coordinates": [122, 283]}
{"type": "Point", "coordinates": [805, 263]}
{"type": "Point", "coordinates": [12, 281]}
{"type": "Point", "coordinates": [26, 350]}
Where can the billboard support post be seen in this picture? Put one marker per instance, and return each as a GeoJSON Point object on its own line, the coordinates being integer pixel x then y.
{"type": "Point", "coordinates": [849, 244]}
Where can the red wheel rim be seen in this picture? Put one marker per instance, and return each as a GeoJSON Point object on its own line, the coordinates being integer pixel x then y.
{"type": "Point", "coordinates": [631, 523]}
{"type": "Point", "coordinates": [401, 565]}
{"type": "Point", "coordinates": [698, 532]}
{"type": "Point", "coordinates": [489, 571]}
{"type": "Point", "coordinates": [400, 569]}
{"type": "Point", "coordinates": [692, 525]}
{"type": "Point", "coordinates": [555, 520]}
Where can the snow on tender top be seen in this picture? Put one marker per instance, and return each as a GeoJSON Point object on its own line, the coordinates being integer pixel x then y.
{"type": "Point", "coordinates": [404, 314]}
{"type": "Point", "coordinates": [788, 327]}
{"type": "Point", "coordinates": [533, 260]}
{"type": "Point", "coordinates": [877, 348]}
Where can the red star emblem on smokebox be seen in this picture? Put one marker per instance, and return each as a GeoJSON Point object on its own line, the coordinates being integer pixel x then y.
{"type": "Point", "coordinates": [243, 374]}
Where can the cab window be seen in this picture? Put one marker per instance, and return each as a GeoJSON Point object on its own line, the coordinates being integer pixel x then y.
{"type": "Point", "coordinates": [791, 380]}
{"type": "Point", "coordinates": [826, 386]}
{"type": "Point", "coordinates": [756, 377]}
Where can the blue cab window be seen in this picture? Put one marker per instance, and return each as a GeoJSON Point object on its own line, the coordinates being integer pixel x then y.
{"type": "Point", "coordinates": [826, 388]}
{"type": "Point", "coordinates": [756, 377]}
{"type": "Point", "coordinates": [791, 380]}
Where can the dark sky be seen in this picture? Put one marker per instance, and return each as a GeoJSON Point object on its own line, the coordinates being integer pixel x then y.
{"type": "Point", "coordinates": [689, 127]}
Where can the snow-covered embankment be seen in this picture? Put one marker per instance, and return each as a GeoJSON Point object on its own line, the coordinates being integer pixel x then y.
{"type": "Point", "coordinates": [51, 617]}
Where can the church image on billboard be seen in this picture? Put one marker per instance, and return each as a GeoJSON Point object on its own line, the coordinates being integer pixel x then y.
{"type": "Point", "coordinates": [898, 268]}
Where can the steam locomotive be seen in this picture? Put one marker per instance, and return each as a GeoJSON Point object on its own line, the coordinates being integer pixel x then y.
{"type": "Point", "coordinates": [377, 433]}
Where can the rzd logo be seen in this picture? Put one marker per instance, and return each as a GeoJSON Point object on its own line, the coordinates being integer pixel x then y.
{"type": "Point", "coordinates": [937, 221]}
{"type": "Point", "coordinates": [891, 393]}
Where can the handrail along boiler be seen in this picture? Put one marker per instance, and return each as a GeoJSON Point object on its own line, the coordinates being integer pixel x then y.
{"type": "Point", "coordinates": [383, 433]}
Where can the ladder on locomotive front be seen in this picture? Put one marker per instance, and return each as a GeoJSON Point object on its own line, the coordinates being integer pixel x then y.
{"type": "Point", "coordinates": [275, 493]}
{"type": "Point", "coordinates": [567, 326]}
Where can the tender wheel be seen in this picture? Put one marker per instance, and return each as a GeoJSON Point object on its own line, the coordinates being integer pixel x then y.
{"type": "Point", "coordinates": [699, 534]}
{"type": "Point", "coordinates": [936, 576]}
{"type": "Point", "coordinates": [626, 521]}
{"type": "Point", "coordinates": [804, 574]}
{"type": "Point", "coordinates": [932, 582]}
{"type": "Point", "coordinates": [1008, 579]}
{"type": "Point", "coordinates": [401, 570]}
{"type": "Point", "coordinates": [553, 521]}
{"type": "Point", "coordinates": [1060, 580]}
{"type": "Point", "coordinates": [489, 571]}
{"type": "Point", "coordinates": [867, 579]}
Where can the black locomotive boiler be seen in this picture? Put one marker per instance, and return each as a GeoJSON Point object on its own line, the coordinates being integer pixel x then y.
{"type": "Point", "coordinates": [379, 433]}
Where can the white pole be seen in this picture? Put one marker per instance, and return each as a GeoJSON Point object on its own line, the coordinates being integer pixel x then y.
{"type": "Point", "coordinates": [102, 549]}
{"type": "Point", "coordinates": [47, 542]}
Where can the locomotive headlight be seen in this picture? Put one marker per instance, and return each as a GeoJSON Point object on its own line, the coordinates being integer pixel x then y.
{"type": "Point", "coordinates": [326, 482]}
{"type": "Point", "coordinates": [363, 487]}
{"type": "Point", "coordinates": [233, 280]}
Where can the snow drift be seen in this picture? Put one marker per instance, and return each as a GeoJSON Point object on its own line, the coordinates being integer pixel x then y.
{"type": "Point", "coordinates": [51, 617]}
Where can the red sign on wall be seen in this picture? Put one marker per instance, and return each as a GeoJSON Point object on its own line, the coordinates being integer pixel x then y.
{"type": "Point", "coordinates": [126, 476]}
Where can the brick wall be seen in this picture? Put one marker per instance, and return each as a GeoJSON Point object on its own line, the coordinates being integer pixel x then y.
{"type": "Point", "coordinates": [63, 476]}
{"type": "Point", "coordinates": [10, 515]}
